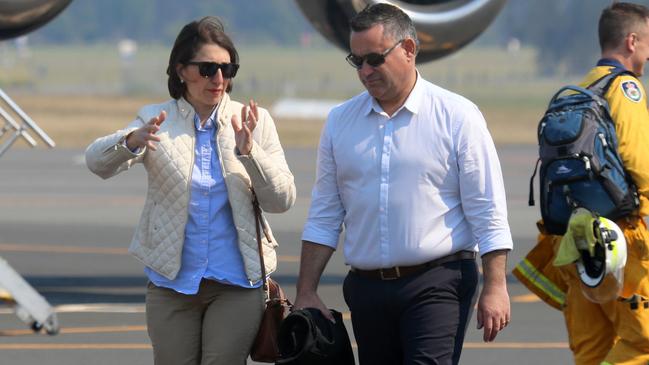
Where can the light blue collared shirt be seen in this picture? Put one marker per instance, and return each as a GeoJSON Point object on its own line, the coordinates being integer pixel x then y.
{"type": "Point", "coordinates": [211, 248]}
{"type": "Point", "coordinates": [420, 184]}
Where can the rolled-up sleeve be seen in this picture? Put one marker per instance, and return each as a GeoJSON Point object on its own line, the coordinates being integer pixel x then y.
{"type": "Point", "coordinates": [327, 212]}
{"type": "Point", "coordinates": [481, 184]}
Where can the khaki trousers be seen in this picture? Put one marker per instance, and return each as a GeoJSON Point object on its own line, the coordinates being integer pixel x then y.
{"type": "Point", "coordinates": [215, 326]}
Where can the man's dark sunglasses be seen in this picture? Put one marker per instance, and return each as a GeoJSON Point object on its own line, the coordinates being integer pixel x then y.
{"type": "Point", "coordinates": [372, 59]}
{"type": "Point", "coordinates": [208, 69]}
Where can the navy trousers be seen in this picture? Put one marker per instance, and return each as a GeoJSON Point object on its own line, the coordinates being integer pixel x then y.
{"type": "Point", "coordinates": [414, 320]}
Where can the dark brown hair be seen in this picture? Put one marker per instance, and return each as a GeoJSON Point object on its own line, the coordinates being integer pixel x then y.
{"type": "Point", "coordinates": [191, 38]}
{"type": "Point", "coordinates": [618, 20]}
{"type": "Point", "coordinates": [396, 24]}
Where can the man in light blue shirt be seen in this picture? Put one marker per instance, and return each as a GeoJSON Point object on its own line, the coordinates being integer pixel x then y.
{"type": "Point", "coordinates": [411, 172]}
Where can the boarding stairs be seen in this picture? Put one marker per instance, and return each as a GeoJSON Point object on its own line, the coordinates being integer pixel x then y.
{"type": "Point", "coordinates": [27, 303]}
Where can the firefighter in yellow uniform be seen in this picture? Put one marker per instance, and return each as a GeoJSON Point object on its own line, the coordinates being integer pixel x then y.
{"type": "Point", "coordinates": [616, 332]}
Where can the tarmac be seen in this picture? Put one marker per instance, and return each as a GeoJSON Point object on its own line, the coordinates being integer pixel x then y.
{"type": "Point", "coordinates": [67, 232]}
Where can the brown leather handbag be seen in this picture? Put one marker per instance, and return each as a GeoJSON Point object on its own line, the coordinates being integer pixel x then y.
{"type": "Point", "coordinates": [265, 348]}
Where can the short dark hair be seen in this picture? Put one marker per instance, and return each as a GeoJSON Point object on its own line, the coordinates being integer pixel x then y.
{"type": "Point", "coordinates": [618, 20]}
{"type": "Point", "coordinates": [208, 30]}
{"type": "Point", "coordinates": [396, 23]}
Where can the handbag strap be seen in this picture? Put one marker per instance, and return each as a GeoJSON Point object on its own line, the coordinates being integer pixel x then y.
{"type": "Point", "coordinates": [258, 227]}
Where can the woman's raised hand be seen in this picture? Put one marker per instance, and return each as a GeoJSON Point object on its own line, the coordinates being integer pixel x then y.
{"type": "Point", "coordinates": [145, 136]}
{"type": "Point", "coordinates": [243, 131]}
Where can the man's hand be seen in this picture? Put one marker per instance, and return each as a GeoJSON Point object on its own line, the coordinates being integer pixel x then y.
{"type": "Point", "coordinates": [313, 260]}
{"type": "Point", "coordinates": [494, 311]}
{"type": "Point", "coordinates": [145, 136]}
{"type": "Point", "coordinates": [312, 300]}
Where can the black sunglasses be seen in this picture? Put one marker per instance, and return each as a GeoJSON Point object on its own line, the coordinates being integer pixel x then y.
{"type": "Point", "coordinates": [209, 69]}
{"type": "Point", "coordinates": [372, 59]}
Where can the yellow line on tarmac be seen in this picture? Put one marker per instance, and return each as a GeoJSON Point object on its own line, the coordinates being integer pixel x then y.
{"type": "Point", "coordinates": [143, 346]}
{"type": "Point", "coordinates": [515, 345]}
{"type": "Point", "coordinates": [526, 298]}
{"type": "Point", "coordinates": [78, 330]}
{"type": "Point", "coordinates": [15, 333]}
{"type": "Point", "coordinates": [75, 346]}
{"type": "Point", "coordinates": [146, 346]}
{"type": "Point", "coordinates": [288, 258]}
{"type": "Point", "coordinates": [106, 329]}
{"type": "Point", "coordinates": [29, 247]}
{"type": "Point", "coordinates": [68, 200]}
{"type": "Point", "coordinates": [32, 247]}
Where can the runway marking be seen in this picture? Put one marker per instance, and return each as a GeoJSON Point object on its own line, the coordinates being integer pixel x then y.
{"type": "Point", "coordinates": [33, 247]}
{"type": "Point", "coordinates": [71, 200]}
{"type": "Point", "coordinates": [110, 308]}
{"type": "Point", "coordinates": [90, 308]}
{"type": "Point", "coordinates": [288, 258]}
{"type": "Point", "coordinates": [30, 247]}
{"type": "Point", "coordinates": [78, 330]}
{"type": "Point", "coordinates": [146, 346]}
{"type": "Point", "coordinates": [100, 308]}
{"type": "Point", "coordinates": [105, 329]}
{"type": "Point", "coordinates": [516, 345]}
{"type": "Point", "coordinates": [526, 298]}
{"type": "Point", "coordinates": [142, 328]}
{"type": "Point", "coordinates": [75, 346]}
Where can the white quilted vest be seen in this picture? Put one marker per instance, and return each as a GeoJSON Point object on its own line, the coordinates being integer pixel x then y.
{"type": "Point", "coordinates": [159, 237]}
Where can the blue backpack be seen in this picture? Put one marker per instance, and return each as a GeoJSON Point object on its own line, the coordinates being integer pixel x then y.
{"type": "Point", "coordinates": [580, 165]}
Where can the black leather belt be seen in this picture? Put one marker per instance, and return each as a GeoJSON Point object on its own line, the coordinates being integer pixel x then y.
{"type": "Point", "coordinates": [396, 272]}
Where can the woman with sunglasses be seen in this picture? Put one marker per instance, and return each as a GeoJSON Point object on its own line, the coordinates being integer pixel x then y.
{"type": "Point", "coordinates": [205, 155]}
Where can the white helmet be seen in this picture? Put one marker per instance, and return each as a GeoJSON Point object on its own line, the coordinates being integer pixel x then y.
{"type": "Point", "coordinates": [602, 272]}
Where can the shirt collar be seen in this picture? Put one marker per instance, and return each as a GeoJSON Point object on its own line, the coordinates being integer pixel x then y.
{"type": "Point", "coordinates": [414, 99]}
{"type": "Point", "coordinates": [412, 103]}
{"type": "Point", "coordinates": [610, 62]}
{"type": "Point", "coordinates": [208, 124]}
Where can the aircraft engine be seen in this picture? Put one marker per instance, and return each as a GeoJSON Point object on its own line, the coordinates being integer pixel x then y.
{"type": "Point", "coordinates": [443, 26]}
{"type": "Point", "coordinates": [18, 17]}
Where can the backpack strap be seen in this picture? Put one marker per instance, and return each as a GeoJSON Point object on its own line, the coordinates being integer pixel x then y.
{"type": "Point", "coordinates": [600, 86]}
{"type": "Point", "coordinates": [530, 201]}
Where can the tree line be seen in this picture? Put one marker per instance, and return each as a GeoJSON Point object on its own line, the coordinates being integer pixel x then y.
{"type": "Point", "coordinates": [159, 21]}
{"type": "Point", "coordinates": [564, 32]}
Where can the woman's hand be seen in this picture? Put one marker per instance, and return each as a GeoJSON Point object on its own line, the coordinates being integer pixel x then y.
{"type": "Point", "coordinates": [145, 135]}
{"type": "Point", "coordinates": [243, 131]}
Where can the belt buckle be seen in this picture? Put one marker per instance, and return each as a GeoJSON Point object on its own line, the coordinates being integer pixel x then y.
{"type": "Point", "coordinates": [396, 276]}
